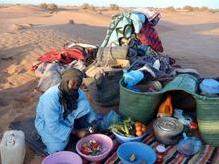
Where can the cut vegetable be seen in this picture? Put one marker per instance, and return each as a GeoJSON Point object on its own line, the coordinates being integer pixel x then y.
{"type": "Point", "coordinates": [129, 128]}
{"type": "Point", "coordinates": [91, 148]}
{"type": "Point", "coordinates": [132, 158]}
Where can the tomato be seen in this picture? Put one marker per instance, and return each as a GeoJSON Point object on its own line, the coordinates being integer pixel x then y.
{"type": "Point", "coordinates": [95, 145]}
{"type": "Point", "coordinates": [84, 151]}
{"type": "Point", "coordinates": [91, 148]}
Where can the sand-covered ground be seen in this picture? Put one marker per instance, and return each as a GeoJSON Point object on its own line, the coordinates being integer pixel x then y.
{"type": "Point", "coordinates": [26, 32]}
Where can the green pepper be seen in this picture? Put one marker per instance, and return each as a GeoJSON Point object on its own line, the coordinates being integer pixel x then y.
{"type": "Point", "coordinates": [126, 130]}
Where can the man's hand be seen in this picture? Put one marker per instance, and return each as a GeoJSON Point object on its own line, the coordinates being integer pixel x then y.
{"type": "Point", "coordinates": [80, 133]}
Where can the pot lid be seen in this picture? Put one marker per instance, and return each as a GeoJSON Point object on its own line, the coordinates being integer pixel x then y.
{"type": "Point", "coordinates": [169, 124]}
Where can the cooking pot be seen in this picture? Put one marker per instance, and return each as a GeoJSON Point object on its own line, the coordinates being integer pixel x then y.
{"type": "Point", "coordinates": [167, 130]}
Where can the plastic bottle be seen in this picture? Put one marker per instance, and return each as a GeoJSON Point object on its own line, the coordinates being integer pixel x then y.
{"type": "Point", "coordinates": [166, 108]}
{"type": "Point", "coordinates": [13, 147]}
{"type": "Point", "coordinates": [133, 77]}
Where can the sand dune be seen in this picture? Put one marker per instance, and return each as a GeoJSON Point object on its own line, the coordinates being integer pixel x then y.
{"type": "Point", "coordinates": [35, 16]}
{"type": "Point", "coordinates": [186, 37]}
{"type": "Point", "coordinates": [21, 9]}
{"type": "Point", "coordinates": [90, 18]}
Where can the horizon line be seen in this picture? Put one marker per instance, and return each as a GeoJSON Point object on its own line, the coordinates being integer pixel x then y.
{"type": "Point", "coordinates": [2, 3]}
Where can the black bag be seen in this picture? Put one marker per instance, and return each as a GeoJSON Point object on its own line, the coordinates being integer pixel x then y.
{"type": "Point", "coordinates": [106, 73]}
{"type": "Point", "coordinates": [105, 88]}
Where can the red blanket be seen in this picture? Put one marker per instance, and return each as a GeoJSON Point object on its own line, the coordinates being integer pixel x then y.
{"type": "Point", "coordinates": [64, 56]}
{"type": "Point", "coordinates": [149, 36]}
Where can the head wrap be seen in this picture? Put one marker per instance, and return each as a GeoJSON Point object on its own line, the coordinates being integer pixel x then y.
{"type": "Point", "coordinates": [72, 74]}
{"type": "Point", "coordinates": [68, 98]}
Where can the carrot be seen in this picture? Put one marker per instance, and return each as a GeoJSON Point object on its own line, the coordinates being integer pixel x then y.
{"type": "Point", "coordinates": [138, 133]}
{"type": "Point", "coordinates": [138, 128]}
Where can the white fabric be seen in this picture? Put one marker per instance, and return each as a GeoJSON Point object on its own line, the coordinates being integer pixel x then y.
{"type": "Point", "coordinates": [150, 14]}
{"type": "Point", "coordinates": [50, 73]}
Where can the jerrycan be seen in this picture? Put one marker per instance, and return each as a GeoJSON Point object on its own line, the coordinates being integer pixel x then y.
{"type": "Point", "coordinates": [13, 147]}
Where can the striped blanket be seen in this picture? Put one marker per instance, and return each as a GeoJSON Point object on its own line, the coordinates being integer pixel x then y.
{"type": "Point", "coordinates": [207, 155]}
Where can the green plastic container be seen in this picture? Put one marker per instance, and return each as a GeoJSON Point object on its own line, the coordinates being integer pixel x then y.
{"type": "Point", "coordinates": [137, 105]}
{"type": "Point", "coordinates": [142, 106]}
{"type": "Point", "coordinates": [208, 118]}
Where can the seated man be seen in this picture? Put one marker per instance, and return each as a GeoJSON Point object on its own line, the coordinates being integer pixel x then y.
{"type": "Point", "coordinates": [59, 108]}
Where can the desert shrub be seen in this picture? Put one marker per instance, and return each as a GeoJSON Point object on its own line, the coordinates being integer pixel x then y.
{"type": "Point", "coordinates": [114, 7]}
{"type": "Point", "coordinates": [85, 6]}
{"type": "Point", "coordinates": [43, 5]}
{"type": "Point", "coordinates": [71, 21]}
{"type": "Point", "coordinates": [196, 9]}
{"type": "Point", "coordinates": [52, 7]}
{"type": "Point", "coordinates": [213, 10]}
{"type": "Point", "coordinates": [92, 7]}
{"type": "Point", "coordinates": [170, 9]}
{"type": "Point", "coordinates": [188, 8]}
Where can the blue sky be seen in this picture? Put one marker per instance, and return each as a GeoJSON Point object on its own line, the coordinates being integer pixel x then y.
{"type": "Point", "coordinates": [126, 3]}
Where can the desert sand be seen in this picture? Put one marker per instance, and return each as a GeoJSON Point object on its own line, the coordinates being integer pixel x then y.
{"type": "Point", "coordinates": [26, 32]}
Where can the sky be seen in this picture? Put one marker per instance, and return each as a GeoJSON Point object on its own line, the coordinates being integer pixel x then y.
{"type": "Point", "coordinates": [126, 3]}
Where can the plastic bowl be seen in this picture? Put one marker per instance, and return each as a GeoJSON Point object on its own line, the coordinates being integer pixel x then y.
{"type": "Point", "coordinates": [142, 152]}
{"type": "Point", "coordinates": [106, 144]}
{"type": "Point", "coordinates": [123, 139]}
{"type": "Point", "coordinates": [66, 157]}
{"type": "Point", "coordinates": [189, 145]}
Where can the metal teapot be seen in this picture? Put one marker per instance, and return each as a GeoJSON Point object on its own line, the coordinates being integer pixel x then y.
{"type": "Point", "coordinates": [167, 130]}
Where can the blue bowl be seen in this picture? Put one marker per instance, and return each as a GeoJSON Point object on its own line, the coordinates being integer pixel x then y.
{"type": "Point", "coordinates": [142, 152]}
{"type": "Point", "coordinates": [122, 139]}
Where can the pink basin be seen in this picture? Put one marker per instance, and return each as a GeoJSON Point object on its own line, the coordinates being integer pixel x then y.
{"type": "Point", "coordinates": [63, 157]}
{"type": "Point", "coordinates": [106, 144]}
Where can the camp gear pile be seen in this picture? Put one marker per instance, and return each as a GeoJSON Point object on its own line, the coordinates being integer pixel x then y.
{"type": "Point", "coordinates": [131, 69]}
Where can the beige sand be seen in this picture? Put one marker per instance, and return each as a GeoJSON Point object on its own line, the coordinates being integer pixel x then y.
{"type": "Point", "coordinates": [27, 32]}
